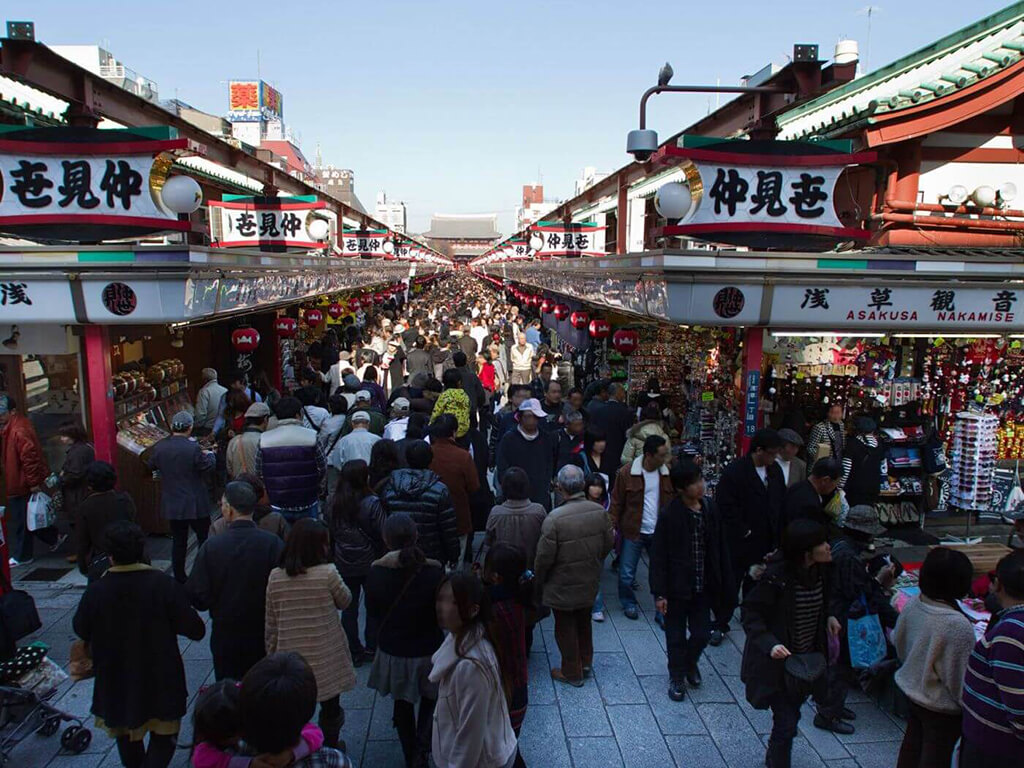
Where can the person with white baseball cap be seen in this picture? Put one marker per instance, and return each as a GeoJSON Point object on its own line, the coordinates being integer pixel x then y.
{"type": "Point", "coordinates": [532, 450]}
{"type": "Point", "coordinates": [396, 428]}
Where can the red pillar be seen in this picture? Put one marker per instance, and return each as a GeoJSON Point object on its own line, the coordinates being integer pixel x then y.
{"type": "Point", "coordinates": [753, 346]}
{"type": "Point", "coordinates": [100, 392]}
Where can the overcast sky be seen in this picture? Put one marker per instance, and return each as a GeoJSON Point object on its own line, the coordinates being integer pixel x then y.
{"type": "Point", "coordinates": [452, 106]}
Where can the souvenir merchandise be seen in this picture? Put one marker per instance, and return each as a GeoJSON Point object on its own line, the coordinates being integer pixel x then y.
{"type": "Point", "coordinates": [973, 454]}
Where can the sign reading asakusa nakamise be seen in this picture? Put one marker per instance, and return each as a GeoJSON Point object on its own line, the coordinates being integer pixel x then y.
{"type": "Point", "coordinates": [365, 243]}
{"type": "Point", "coordinates": [572, 240]}
{"type": "Point", "coordinates": [765, 193]}
{"type": "Point", "coordinates": [85, 184]}
{"type": "Point", "coordinates": [895, 308]}
{"type": "Point", "coordinates": [265, 223]}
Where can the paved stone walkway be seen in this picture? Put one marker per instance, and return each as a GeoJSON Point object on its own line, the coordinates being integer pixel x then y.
{"type": "Point", "coordinates": [621, 717]}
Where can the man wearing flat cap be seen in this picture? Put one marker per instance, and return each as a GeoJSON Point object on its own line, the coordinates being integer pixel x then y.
{"type": "Point", "coordinates": [793, 469]}
{"type": "Point", "coordinates": [229, 579]}
{"type": "Point", "coordinates": [242, 449]}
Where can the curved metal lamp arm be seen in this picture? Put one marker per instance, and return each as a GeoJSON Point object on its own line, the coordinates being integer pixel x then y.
{"type": "Point", "coordinates": [704, 89]}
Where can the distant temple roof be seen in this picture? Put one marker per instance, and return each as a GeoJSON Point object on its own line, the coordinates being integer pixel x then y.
{"type": "Point", "coordinates": [473, 227]}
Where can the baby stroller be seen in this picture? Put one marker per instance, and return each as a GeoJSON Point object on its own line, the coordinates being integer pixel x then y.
{"type": "Point", "coordinates": [23, 712]}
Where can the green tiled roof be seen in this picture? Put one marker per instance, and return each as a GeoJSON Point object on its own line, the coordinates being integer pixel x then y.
{"type": "Point", "coordinates": [958, 60]}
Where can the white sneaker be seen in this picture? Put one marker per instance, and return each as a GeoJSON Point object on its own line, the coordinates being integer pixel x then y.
{"type": "Point", "coordinates": [597, 616]}
{"type": "Point", "coordinates": [15, 563]}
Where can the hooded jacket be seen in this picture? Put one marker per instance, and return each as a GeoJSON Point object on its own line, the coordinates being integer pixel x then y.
{"type": "Point", "coordinates": [636, 436]}
{"type": "Point", "coordinates": [471, 722]}
{"type": "Point", "coordinates": [421, 494]}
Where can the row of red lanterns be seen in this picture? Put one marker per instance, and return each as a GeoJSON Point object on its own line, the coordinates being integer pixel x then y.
{"type": "Point", "coordinates": [625, 340]}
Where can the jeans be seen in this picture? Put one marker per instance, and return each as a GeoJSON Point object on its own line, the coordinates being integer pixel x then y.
{"type": "Point", "coordinates": [598, 602]}
{"type": "Point", "coordinates": [574, 635]}
{"type": "Point", "coordinates": [930, 738]}
{"type": "Point", "coordinates": [414, 730]}
{"type": "Point", "coordinates": [628, 562]}
{"type": "Point", "coordinates": [350, 619]}
{"type": "Point", "coordinates": [683, 652]}
{"type": "Point", "coordinates": [134, 754]}
{"type": "Point", "coordinates": [785, 718]}
{"type": "Point", "coordinates": [21, 544]}
{"type": "Point", "coordinates": [291, 515]}
{"type": "Point", "coordinates": [179, 542]}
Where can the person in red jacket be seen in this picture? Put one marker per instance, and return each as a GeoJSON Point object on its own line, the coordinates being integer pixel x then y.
{"type": "Point", "coordinates": [25, 469]}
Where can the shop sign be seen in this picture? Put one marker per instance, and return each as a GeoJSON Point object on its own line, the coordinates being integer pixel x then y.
{"type": "Point", "coordinates": [250, 101]}
{"type": "Point", "coordinates": [266, 223]}
{"type": "Point", "coordinates": [364, 243]}
{"type": "Point", "coordinates": [134, 301]}
{"type": "Point", "coordinates": [714, 304]}
{"type": "Point", "coordinates": [751, 403]}
{"type": "Point", "coordinates": [35, 301]}
{"type": "Point", "coordinates": [572, 240]}
{"type": "Point", "coordinates": [119, 299]}
{"type": "Point", "coordinates": [516, 249]}
{"type": "Point", "coordinates": [894, 307]}
{"type": "Point", "coordinates": [764, 193]}
{"type": "Point", "coordinates": [77, 184]}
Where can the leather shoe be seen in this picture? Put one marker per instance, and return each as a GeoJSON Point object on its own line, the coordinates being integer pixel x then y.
{"type": "Point", "coordinates": [848, 714]}
{"type": "Point", "coordinates": [693, 677]}
{"type": "Point", "coordinates": [717, 636]}
{"type": "Point", "coordinates": [559, 677]}
{"type": "Point", "coordinates": [631, 613]}
{"type": "Point", "coordinates": [676, 691]}
{"type": "Point", "coordinates": [831, 724]}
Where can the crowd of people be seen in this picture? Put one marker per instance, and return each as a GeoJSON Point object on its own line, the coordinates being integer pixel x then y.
{"type": "Point", "coordinates": [437, 462]}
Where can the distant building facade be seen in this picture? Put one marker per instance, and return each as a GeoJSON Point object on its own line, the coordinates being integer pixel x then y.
{"type": "Point", "coordinates": [534, 207]}
{"type": "Point", "coordinates": [391, 213]}
{"type": "Point", "coordinates": [339, 183]}
{"type": "Point", "coordinates": [461, 238]}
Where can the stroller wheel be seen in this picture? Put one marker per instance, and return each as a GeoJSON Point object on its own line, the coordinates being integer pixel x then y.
{"type": "Point", "coordinates": [49, 727]}
{"type": "Point", "coordinates": [81, 741]}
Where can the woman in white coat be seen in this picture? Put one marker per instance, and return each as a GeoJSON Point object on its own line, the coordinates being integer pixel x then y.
{"type": "Point", "coordinates": [471, 723]}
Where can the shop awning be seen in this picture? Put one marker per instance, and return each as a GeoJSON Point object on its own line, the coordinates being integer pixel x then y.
{"type": "Point", "coordinates": [878, 290]}
{"type": "Point", "coordinates": [112, 285]}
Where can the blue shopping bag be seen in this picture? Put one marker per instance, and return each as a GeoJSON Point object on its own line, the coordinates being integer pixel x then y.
{"type": "Point", "coordinates": [866, 639]}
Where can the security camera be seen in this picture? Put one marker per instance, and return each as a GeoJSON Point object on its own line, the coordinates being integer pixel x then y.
{"type": "Point", "coordinates": [642, 144]}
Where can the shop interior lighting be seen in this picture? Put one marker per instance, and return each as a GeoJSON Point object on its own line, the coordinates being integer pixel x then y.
{"type": "Point", "coordinates": [946, 335]}
{"type": "Point", "coordinates": [823, 334]}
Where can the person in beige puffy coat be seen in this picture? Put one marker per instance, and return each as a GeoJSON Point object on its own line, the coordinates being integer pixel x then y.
{"type": "Point", "coordinates": [303, 599]}
{"type": "Point", "coordinates": [639, 432]}
{"type": "Point", "coordinates": [574, 541]}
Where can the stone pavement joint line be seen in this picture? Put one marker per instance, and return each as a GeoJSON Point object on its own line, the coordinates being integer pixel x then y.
{"type": "Point", "coordinates": [622, 717]}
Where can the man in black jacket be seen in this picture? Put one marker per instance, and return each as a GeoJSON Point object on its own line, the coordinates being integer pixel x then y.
{"type": "Point", "coordinates": [614, 418]}
{"type": "Point", "coordinates": [531, 449]}
{"type": "Point", "coordinates": [809, 497]}
{"type": "Point", "coordinates": [689, 573]}
{"type": "Point", "coordinates": [750, 496]}
{"type": "Point", "coordinates": [229, 579]}
{"type": "Point", "coordinates": [474, 390]}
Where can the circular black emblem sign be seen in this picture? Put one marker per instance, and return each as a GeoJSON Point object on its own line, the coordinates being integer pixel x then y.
{"type": "Point", "coordinates": [119, 299]}
{"type": "Point", "coordinates": [728, 302]}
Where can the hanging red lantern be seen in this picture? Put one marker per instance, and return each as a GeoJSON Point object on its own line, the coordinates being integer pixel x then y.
{"type": "Point", "coordinates": [546, 306]}
{"type": "Point", "coordinates": [354, 304]}
{"type": "Point", "coordinates": [535, 300]}
{"type": "Point", "coordinates": [579, 320]}
{"type": "Point", "coordinates": [286, 327]}
{"type": "Point", "coordinates": [599, 329]}
{"type": "Point", "coordinates": [378, 298]}
{"type": "Point", "coordinates": [626, 341]}
{"type": "Point", "coordinates": [561, 311]}
{"type": "Point", "coordinates": [335, 310]}
{"type": "Point", "coordinates": [314, 317]}
{"type": "Point", "coordinates": [245, 339]}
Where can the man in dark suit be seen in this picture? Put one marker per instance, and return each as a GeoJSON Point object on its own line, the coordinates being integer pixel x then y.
{"type": "Point", "coordinates": [229, 579]}
{"type": "Point", "coordinates": [184, 500]}
{"type": "Point", "coordinates": [808, 498]}
{"type": "Point", "coordinates": [474, 389]}
{"type": "Point", "coordinates": [614, 418]}
{"type": "Point", "coordinates": [750, 496]}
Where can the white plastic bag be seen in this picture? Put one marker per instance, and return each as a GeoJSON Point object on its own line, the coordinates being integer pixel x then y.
{"type": "Point", "coordinates": [41, 512]}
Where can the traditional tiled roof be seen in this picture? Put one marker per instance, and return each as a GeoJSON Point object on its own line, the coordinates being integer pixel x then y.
{"type": "Point", "coordinates": [956, 61]}
{"type": "Point", "coordinates": [475, 227]}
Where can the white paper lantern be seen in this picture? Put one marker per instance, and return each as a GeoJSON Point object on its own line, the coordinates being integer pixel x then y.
{"type": "Point", "coordinates": [673, 200]}
{"type": "Point", "coordinates": [318, 228]}
{"type": "Point", "coordinates": [537, 241]}
{"type": "Point", "coordinates": [181, 194]}
{"type": "Point", "coordinates": [389, 246]}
